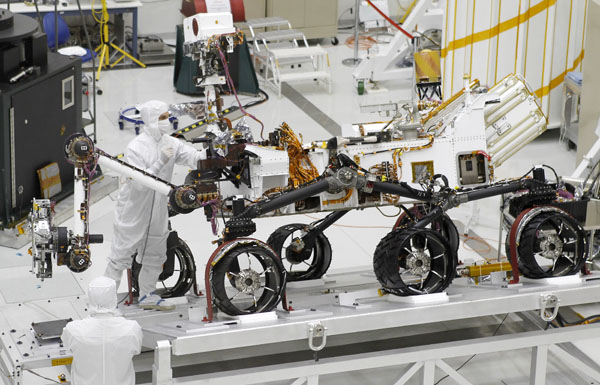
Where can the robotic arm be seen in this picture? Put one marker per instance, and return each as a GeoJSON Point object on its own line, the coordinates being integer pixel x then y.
{"type": "Point", "coordinates": [71, 247]}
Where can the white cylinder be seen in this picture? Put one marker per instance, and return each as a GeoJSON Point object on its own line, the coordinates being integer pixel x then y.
{"type": "Point", "coordinates": [79, 194]}
{"type": "Point", "coordinates": [153, 184]}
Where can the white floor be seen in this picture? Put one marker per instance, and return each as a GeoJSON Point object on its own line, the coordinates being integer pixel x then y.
{"type": "Point", "coordinates": [353, 241]}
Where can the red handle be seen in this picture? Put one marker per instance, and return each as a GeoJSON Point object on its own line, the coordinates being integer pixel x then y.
{"type": "Point", "coordinates": [392, 22]}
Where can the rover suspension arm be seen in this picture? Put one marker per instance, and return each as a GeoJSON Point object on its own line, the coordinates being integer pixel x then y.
{"type": "Point", "coordinates": [455, 199]}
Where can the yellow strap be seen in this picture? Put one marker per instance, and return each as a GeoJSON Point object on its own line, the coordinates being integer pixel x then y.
{"type": "Point", "coordinates": [497, 29]}
{"type": "Point", "coordinates": [545, 90]}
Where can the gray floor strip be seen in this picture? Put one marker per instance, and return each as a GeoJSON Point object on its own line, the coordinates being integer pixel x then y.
{"type": "Point", "coordinates": [311, 110]}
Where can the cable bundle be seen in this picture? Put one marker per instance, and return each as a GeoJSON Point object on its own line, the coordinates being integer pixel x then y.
{"type": "Point", "coordinates": [302, 170]}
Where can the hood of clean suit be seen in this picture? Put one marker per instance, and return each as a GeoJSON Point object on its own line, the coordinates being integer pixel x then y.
{"type": "Point", "coordinates": [102, 295]}
{"type": "Point", "coordinates": [150, 111]}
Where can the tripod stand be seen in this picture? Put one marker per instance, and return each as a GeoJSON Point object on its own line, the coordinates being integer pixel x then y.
{"type": "Point", "coordinates": [105, 44]}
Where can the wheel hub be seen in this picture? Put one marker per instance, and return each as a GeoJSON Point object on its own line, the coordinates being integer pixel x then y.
{"type": "Point", "coordinates": [418, 263]}
{"type": "Point", "coordinates": [247, 281]}
{"type": "Point", "coordinates": [551, 246]}
{"type": "Point", "coordinates": [295, 252]}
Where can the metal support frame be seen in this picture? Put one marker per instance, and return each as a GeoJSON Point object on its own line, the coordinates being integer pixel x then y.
{"type": "Point", "coordinates": [182, 339]}
{"type": "Point", "coordinates": [422, 357]}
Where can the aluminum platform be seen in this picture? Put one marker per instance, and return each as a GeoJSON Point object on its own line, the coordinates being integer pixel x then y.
{"type": "Point", "coordinates": [345, 307]}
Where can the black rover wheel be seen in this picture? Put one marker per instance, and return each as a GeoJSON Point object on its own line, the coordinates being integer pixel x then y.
{"type": "Point", "coordinates": [179, 271]}
{"type": "Point", "coordinates": [249, 278]}
{"type": "Point", "coordinates": [444, 225]}
{"type": "Point", "coordinates": [305, 253]}
{"type": "Point", "coordinates": [552, 244]}
{"type": "Point", "coordinates": [414, 261]}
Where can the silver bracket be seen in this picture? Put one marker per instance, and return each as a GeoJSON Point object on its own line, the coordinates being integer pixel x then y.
{"type": "Point", "coordinates": [316, 330]}
{"type": "Point", "coordinates": [547, 302]}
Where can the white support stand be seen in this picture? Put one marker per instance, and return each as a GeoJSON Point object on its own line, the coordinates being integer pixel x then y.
{"type": "Point", "coordinates": [428, 358]}
{"type": "Point", "coordinates": [567, 280]}
{"type": "Point", "coordinates": [320, 66]}
{"type": "Point", "coordinates": [539, 363]}
{"type": "Point", "coordinates": [382, 66]}
{"type": "Point", "coordinates": [420, 299]}
{"type": "Point", "coordinates": [247, 319]}
{"type": "Point", "coordinates": [352, 299]}
{"type": "Point", "coordinates": [162, 374]}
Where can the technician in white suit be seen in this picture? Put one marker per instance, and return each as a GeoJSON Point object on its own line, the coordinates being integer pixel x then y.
{"type": "Point", "coordinates": [141, 214]}
{"type": "Point", "coordinates": [103, 344]}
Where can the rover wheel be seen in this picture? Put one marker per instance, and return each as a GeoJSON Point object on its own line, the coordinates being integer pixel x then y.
{"type": "Point", "coordinates": [248, 278]}
{"type": "Point", "coordinates": [179, 271]}
{"type": "Point", "coordinates": [444, 225]}
{"type": "Point", "coordinates": [414, 261]}
{"type": "Point", "coordinates": [301, 260]}
{"type": "Point", "coordinates": [551, 244]}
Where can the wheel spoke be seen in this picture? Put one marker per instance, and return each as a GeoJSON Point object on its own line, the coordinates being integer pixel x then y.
{"type": "Point", "coordinates": [267, 270]}
{"type": "Point", "coordinates": [254, 299]}
{"type": "Point", "coordinates": [249, 260]}
{"type": "Point", "coordinates": [438, 256]}
{"type": "Point", "coordinates": [238, 293]}
{"type": "Point", "coordinates": [436, 273]}
{"type": "Point", "coordinates": [561, 228]}
{"type": "Point", "coordinates": [539, 254]}
{"type": "Point", "coordinates": [269, 289]}
{"type": "Point", "coordinates": [568, 258]}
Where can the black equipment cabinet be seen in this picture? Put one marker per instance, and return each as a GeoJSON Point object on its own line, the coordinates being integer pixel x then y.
{"type": "Point", "coordinates": [37, 114]}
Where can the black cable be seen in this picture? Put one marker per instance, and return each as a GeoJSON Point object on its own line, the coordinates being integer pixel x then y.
{"type": "Point", "coordinates": [562, 322]}
{"type": "Point", "coordinates": [553, 170]}
{"type": "Point", "coordinates": [260, 101]}
{"type": "Point", "coordinates": [473, 356]}
{"type": "Point", "coordinates": [527, 173]}
{"type": "Point", "coordinates": [410, 216]}
{"type": "Point", "coordinates": [124, 298]}
{"type": "Point", "coordinates": [254, 103]}
{"type": "Point", "coordinates": [39, 375]}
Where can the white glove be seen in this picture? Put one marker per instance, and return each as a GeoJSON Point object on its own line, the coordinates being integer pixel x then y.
{"type": "Point", "coordinates": [166, 153]}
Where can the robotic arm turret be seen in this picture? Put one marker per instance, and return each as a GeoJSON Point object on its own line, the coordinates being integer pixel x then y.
{"type": "Point", "coordinates": [71, 247]}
